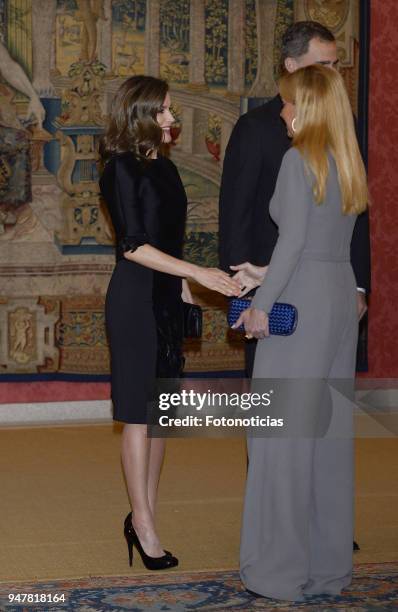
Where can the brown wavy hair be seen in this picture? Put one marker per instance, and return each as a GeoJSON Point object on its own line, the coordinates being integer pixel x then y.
{"type": "Point", "coordinates": [132, 124]}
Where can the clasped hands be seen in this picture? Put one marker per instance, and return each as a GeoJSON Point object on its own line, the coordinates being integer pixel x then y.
{"type": "Point", "coordinates": [254, 321]}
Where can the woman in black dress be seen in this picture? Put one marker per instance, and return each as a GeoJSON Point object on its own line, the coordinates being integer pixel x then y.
{"type": "Point", "coordinates": [147, 204]}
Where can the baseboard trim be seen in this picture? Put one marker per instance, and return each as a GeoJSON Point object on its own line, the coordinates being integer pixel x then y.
{"type": "Point", "coordinates": [55, 413]}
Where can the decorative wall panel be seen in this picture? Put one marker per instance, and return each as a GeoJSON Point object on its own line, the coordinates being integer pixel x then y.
{"type": "Point", "coordinates": [56, 244]}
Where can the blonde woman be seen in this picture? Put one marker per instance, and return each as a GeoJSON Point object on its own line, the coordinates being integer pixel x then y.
{"type": "Point", "coordinates": [297, 521]}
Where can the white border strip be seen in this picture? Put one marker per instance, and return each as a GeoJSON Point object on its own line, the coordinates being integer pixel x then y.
{"type": "Point", "coordinates": [46, 413]}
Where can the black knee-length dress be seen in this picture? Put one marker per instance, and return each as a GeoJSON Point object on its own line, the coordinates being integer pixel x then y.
{"type": "Point", "coordinates": [143, 309]}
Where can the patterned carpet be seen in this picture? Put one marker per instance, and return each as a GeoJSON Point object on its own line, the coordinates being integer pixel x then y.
{"type": "Point", "coordinates": [375, 586]}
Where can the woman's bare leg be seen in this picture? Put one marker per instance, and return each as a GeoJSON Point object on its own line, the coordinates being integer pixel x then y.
{"type": "Point", "coordinates": [156, 456]}
{"type": "Point", "coordinates": [135, 458]}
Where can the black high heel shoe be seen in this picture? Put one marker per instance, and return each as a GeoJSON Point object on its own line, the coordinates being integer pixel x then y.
{"type": "Point", "coordinates": [166, 561]}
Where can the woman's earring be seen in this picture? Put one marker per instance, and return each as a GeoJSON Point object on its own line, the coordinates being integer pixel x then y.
{"type": "Point", "coordinates": [294, 124]}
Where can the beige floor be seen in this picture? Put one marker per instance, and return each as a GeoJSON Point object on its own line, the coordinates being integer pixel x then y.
{"type": "Point", "coordinates": [63, 501]}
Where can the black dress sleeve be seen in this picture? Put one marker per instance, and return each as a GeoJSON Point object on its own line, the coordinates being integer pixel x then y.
{"type": "Point", "coordinates": [129, 206]}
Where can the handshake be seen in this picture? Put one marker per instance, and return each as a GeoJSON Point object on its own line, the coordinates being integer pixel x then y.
{"type": "Point", "coordinates": [255, 322]}
{"type": "Point", "coordinates": [248, 276]}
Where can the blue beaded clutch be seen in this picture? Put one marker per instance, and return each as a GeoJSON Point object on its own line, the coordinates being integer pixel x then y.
{"type": "Point", "coordinates": [282, 319]}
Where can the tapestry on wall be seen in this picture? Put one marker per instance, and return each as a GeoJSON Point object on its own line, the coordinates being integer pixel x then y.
{"type": "Point", "coordinates": [61, 63]}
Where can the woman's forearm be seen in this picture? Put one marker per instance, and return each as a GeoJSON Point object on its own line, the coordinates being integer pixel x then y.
{"type": "Point", "coordinates": [150, 257]}
{"type": "Point", "coordinates": [211, 278]}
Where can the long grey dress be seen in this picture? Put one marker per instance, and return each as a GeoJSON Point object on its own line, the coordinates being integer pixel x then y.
{"type": "Point", "coordinates": [297, 523]}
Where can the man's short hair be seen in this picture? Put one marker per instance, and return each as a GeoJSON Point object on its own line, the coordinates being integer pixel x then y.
{"type": "Point", "coordinates": [297, 37]}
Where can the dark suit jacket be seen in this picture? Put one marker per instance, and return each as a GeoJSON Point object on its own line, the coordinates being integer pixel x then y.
{"type": "Point", "coordinates": [252, 161]}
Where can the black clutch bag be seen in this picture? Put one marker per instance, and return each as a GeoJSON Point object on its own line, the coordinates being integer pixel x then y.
{"type": "Point", "coordinates": [282, 319]}
{"type": "Point", "coordinates": [192, 320]}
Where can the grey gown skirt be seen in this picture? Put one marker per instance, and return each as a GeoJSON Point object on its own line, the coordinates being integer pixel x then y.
{"type": "Point", "coordinates": [297, 526]}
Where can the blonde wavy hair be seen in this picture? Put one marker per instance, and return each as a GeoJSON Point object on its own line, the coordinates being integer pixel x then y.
{"type": "Point", "coordinates": [324, 122]}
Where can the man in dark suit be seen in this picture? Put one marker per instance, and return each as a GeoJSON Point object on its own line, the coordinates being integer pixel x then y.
{"type": "Point", "coordinates": [252, 161]}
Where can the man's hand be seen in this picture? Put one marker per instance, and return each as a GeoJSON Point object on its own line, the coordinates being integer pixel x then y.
{"type": "Point", "coordinates": [362, 305]}
{"type": "Point", "coordinates": [249, 276]}
{"type": "Point", "coordinates": [255, 323]}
